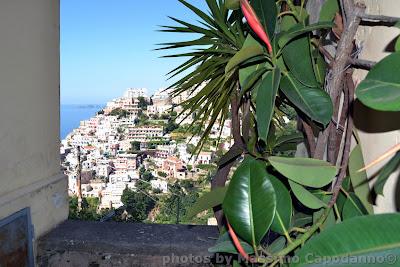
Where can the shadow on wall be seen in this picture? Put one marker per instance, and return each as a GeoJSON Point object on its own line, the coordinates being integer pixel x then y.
{"type": "Point", "coordinates": [374, 121]}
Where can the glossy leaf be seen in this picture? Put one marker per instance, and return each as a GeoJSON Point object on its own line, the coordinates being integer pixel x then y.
{"type": "Point", "coordinates": [253, 80]}
{"type": "Point", "coordinates": [250, 201]}
{"type": "Point", "coordinates": [296, 53]}
{"type": "Point", "coordinates": [208, 201]}
{"type": "Point", "coordinates": [355, 239]}
{"type": "Point", "coordinates": [320, 67]}
{"type": "Point", "coordinates": [299, 29]}
{"type": "Point", "coordinates": [328, 10]}
{"type": "Point", "coordinates": [385, 172]}
{"type": "Point", "coordinates": [267, 12]}
{"type": "Point", "coordinates": [309, 172]}
{"type": "Point", "coordinates": [244, 54]}
{"type": "Point", "coordinates": [353, 207]}
{"type": "Point", "coordinates": [225, 245]}
{"type": "Point", "coordinates": [358, 179]}
{"type": "Point", "coordinates": [314, 102]}
{"type": "Point", "coordinates": [248, 68]}
{"type": "Point", "coordinates": [265, 101]}
{"type": "Point", "coordinates": [297, 56]}
{"type": "Point", "coordinates": [305, 196]}
{"type": "Point", "coordinates": [380, 90]}
{"type": "Point", "coordinates": [288, 142]}
{"type": "Point", "coordinates": [283, 213]}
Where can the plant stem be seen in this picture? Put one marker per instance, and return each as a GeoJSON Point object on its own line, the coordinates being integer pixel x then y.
{"type": "Point", "coordinates": [293, 9]}
{"type": "Point", "coordinates": [298, 229]}
{"type": "Point", "coordinates": [337, 212]}
{"type": "Point", "coordinates": [274, 263]}
{"type": "Point", "coordinates": [306, 235]}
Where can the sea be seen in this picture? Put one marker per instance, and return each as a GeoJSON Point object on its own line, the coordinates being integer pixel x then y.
{"type": "Point", "coordinates": [71, 115]}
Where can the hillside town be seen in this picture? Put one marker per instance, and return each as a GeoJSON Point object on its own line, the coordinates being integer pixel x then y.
{"type": "Point", "coordinates": [140, 143]}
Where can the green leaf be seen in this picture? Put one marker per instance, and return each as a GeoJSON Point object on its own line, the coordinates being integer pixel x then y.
{"type": "Point", "coordinates": [380, 90]}
{"type": "Point", "coordinates": [359, 180]}
{"type": "Point", "coordinates": [277, 245]}
{"type": "Point", "coordinates": [250, 201]}
{"type": "Point", "coordinates": [283, 214]}
{"type": "Point", "coordinates": [306, 197]}
{"type": "Point", "coordinates": [207, 201]}
{"type": "Point", "coordinates": [267, 12]}
{"type": "Point", "coordinates": [309, 172]}
{"type": "Point", "coordinates": [249, 68]}
{"type": "Point", "coordinates": [294, 138]}
{"type": "Point", "coordinates": [329, 222]}
{"type": "Point", "coordinates": [314, 102]}
{"type": "Point", "coordinates": [301, 219]}
{"type": "Point", "coordinates": [353, 207]}
{"type": "Point", "coordinates": [328, 10]}
{"type": "Point", "coordinates": [253, 80]}
{"type": "Point", "coordinates": [232, 4]}
{"type": "Point", "coordinates": [225, 245]}
{"type": "Point", "coordinates": [355, 240]}
{"type": "Point", "coordinates": [342, 198]}
{"type": "Point", "coordinates": [397, 45]}
{"type": "Point", "coordinates": [244, 54]}
{"type": "Point", "coordinates": [385, 172]}
{"type": "Point", "coordinates": [320, 67]}
{"type": "Point", "coordinates": [299, 29]}
{"type": "Point", "coordinates": [265, 102]}
{"type": "Point", "coordinates": [297, 56]}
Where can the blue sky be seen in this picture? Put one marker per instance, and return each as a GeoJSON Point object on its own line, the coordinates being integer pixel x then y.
{"type": "Point", "coordinates": [107, 46]}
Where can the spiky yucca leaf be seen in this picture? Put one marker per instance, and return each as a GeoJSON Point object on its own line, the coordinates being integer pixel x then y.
{"type": "Point", "coordinates": [203, 78]}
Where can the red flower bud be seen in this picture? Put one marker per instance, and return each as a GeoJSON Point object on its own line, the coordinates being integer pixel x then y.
{"type": "Point", "coordinates": [255, 23]}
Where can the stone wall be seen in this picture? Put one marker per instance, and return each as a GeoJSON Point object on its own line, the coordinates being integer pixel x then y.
{"type": "Point", "coordinates": [84, 244]}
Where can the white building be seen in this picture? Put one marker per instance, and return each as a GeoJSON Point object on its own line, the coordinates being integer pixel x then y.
{"type": "Point", "coordinates": [160, 185]}
{"type": "Point", "coordinates": [144, 133]}
{"type": "Point", "coordinates": [158, 109]}
{"type": "Point", "coordinates": [204, 158]}
{"type": "Point", "coordinates": [111, 195]}
{"type": "Point", "coordinates": [135, 92]}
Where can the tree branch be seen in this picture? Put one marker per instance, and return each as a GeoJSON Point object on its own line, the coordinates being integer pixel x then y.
{"type": "Point", "coordinates": [221, 176]}
{"type": "Point", "coordinates": [310, 137]}
{"type": "Point", "coordinates": [379, 18]}
{"type": "Point", "coordinates": [346, 152]}
{"type": "Point", "coordinates": [362, 63]}
{"type": "Point", "coordinates": [339, 65]}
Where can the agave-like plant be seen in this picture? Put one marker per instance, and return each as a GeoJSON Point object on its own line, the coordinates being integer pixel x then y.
{"type": "Point", "coordinates": [219, 37]}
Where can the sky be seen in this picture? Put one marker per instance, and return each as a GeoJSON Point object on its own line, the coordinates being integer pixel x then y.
{"type": "Point", "coordinates": [108, 46]}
